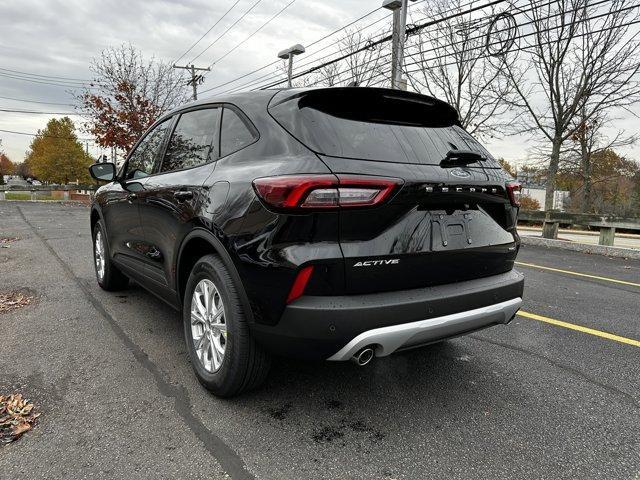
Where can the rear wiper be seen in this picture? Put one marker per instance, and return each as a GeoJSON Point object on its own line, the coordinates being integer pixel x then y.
{"type": "Point", "coordinates": [462, 157]}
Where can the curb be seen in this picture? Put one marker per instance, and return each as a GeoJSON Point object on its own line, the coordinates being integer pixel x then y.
{"type": "Point", "coordinates": [583, 247]}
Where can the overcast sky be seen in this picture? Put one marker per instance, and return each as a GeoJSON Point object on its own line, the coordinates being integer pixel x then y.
{"type": "Point", "coordinates": [59, 38]}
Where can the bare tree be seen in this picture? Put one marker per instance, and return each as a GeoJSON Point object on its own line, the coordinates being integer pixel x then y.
{"type": "Point", "coordinates": [365, 62]}
{"type": "Point", "coordinates": [328, 76]}
{"type": "Point", "coordinates": [128, 94]}
{"type": "Point", "coordinates": [582, 60]}
{"type": "Point", "coordinates": [282, 70]}
{"type": "Point", "coordinates": [451, 63]}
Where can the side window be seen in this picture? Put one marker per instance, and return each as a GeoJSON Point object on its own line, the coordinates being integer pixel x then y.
{"type": "Point", "coordinates": [143, 158]}
{"type": "Point", "coordinates": [234, 134]}
{"type": "Point", "coordinates": [192, 141]}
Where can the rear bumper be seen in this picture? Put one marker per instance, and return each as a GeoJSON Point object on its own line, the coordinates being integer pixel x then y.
{"type": "Point", "coordinates": [387, 340]}
{"type": "Point", "coordinates": [317, 327]}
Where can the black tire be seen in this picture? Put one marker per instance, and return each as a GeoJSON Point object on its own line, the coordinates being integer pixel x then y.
{"type": "Point", "coordinates": [245, 364]}
{"type": "Point", "coordinates": [113, 279]}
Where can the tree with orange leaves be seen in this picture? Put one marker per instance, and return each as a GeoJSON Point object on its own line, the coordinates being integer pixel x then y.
{"type": "Point", "coordinates": [128, 94]}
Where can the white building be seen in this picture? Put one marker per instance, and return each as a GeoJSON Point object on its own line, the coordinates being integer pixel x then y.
{"type": "Point", "coordinates": [559, 197]}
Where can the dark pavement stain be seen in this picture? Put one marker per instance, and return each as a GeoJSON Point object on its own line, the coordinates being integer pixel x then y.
{"type": "Point", "coordinates": [279, 413]}
{"type": "Point", "coordinates": [329, 433]}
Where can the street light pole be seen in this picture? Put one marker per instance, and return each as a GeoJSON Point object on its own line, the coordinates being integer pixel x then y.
{"type": "Point", "coordinates": [289, 71]}
{"type": "Point", "coordinates": [196, 79]}
{"type": "Point", "coordinates": [288, 54]}
{"type": "Point", "coordinates": [399, 9]}
{"type": "Point", "coordinates": [401, 34]}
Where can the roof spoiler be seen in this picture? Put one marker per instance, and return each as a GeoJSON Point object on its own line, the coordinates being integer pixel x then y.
{"type": "Point", "coordinates": [373, 104]}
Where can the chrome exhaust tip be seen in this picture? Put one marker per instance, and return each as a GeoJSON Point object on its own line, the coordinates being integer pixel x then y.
{"type": "Point", "coordinates": [362, 357]}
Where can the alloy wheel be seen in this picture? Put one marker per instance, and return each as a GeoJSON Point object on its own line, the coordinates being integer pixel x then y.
{"type": "Point", "coordinates": [99, 255]}
{"type": "Point", "coordinates": [208, 325]}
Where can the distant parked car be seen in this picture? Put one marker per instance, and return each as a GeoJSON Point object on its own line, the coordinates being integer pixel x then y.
{"type": "Point", "coordinates": [337, 224]}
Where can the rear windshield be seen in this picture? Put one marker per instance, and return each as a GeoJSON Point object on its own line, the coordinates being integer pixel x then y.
{"type": "Point", "coordinates": [375, 126]}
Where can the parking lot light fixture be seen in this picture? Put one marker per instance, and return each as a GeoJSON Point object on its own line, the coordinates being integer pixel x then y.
{"type": "Point", "coordinates": [288, 54]}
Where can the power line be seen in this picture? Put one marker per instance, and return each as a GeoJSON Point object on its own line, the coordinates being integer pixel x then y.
{"type": "Point", "coordinates": [256, 31]}
{"type": "Point", "coordinates": [255, 4]}
{"type": "Point", "coordinates": [309, 46]}
{"type": "Point", "coordinates": [47, 136]}
{"type": "Point", "coordinates": [307, 57]}
{"type": "Point", "coordinates": [529, 47]}
{"type": "Point", "coordinates": [486, 55]}
{"type": "Point", "coordinates": [275, 75]}
{"type": "Point", "coordinates": [483, 36]}
{"type": "Point", "coordinates": [409, 31]}
{"type": "Point", "coordinates": [307, 61]}
{"type": "Point", "coordinates": [37, 101]}
{"type": "Point", "coordinates": [44, 82]}
{"type": "Point", "coordinates": [520, 11]}
{"type": "Point", "coordinates": [38, 112]}
{"type": "Point", "coordinates": [206, 33]}
{"type": "Point", "coordinates": [380, 39]}
{"type": "Point", "coordinates": [44, 76]}
{"type": "Point", "coordinates": [483, 46]}
{"type": "Point", "coordinates": [536, 32]}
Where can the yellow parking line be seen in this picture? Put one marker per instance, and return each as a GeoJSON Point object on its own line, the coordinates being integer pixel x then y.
{"type": "Point", "coordinates": [596, 277]}
{"type": "Point", "coordinates": [579, 328]}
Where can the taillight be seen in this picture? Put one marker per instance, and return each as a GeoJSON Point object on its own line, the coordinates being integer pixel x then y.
{"type": "Point", "coordinates": [300, 283]}
{"type": "Point", "coordinates": [513, 190]}
{"type": "Point", "coordinates": [324, 191]}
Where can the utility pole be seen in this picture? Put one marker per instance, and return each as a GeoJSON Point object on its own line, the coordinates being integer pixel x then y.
{"type": "Point", "coordinates": [399, 9]}
{"type": "Point", "coordinates": [288, 54]}
{"type": "Point", "coordinates": [196, 79]}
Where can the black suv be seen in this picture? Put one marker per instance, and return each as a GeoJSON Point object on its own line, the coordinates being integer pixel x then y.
{"type": "Point", "coordinates": [336, 223]}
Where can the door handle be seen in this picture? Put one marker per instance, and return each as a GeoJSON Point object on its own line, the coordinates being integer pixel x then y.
{"type": "Point", "coordinates": [131, 197]}
{"type": "Point", "coordinates": [183, 195]}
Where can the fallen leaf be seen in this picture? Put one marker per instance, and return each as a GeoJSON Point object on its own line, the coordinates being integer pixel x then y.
{"type": "Point", "coordinates": [17, 416]}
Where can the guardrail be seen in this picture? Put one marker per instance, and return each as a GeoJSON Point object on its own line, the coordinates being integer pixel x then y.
{"type": "Point", "coordinates": [607, 224]}
{"type": "Point", "coordinates": [56, 192]}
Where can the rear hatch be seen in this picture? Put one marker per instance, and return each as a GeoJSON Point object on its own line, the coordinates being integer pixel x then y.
{"type": "Point", "coordinates": [448, 220]}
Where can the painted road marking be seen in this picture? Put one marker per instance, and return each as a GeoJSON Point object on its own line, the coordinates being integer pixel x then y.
{"type": "Point", "coordinates": [579, 328]}
{"type": "Point", "coordinates": [596, 277]}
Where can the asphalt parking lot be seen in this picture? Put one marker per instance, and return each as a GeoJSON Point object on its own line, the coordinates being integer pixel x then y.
{"type": "Point", "coordinates": [110, 374]}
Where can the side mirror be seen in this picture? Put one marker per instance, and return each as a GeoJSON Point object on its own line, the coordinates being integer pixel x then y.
{"type": "Point", "coordinates": [105, 172]}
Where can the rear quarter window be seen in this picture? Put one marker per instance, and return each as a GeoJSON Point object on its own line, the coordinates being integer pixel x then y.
{"type": "Point", "coordinates": [235, 132]}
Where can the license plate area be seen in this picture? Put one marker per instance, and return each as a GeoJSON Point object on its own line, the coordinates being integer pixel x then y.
{"type": "Point", "coordinates": [451, 232]}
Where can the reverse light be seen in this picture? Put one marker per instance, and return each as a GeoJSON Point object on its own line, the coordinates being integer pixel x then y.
{"type": "Point", "coordinates": [514, 190]}
{"type": "Point", "coordinates": [300, 283]}
{"type": "Point", "coordinates": [324, 191]}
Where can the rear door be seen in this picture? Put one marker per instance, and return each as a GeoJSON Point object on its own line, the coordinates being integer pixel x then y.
{"type": "Point", "coordinates": [170, 203]}
{"type": "Point", "coordinates": [121, 211]}
{"type": "Point", "coordinates": [448, 221]}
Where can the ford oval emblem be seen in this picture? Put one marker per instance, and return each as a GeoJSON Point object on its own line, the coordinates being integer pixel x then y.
{"type": "Point", "coordinates": [456, 172]}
